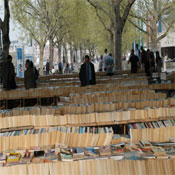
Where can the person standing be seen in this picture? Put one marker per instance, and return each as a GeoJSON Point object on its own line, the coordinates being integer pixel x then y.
{"type": "Point", "coordinates": [53, 70]}
{"type": "Point", "coordinates": [29, 76]}
{"type": "Point", "coordinates": [87, 73]}
{"type": "Point", "coordinates": [60, 68]}
{"type": "Point", "coordinates": [67, 69]}
{"type": "Point", "coordinates": [152, 67]}
{"type": "Point", "coordinates": [147, 65]}
{"type": "Point", "coordinates": [100, 67]}
{"type": "Point", "coordinates": [110, 65]}
{"type": "Point", "coordinates": [134, 60]}
{"type": "Point", "coordinates": [8, 74]}
{"type": "Point", "coordinates": [143, 57]}
{"type": "Point", "coordinates": [104, 59]}
{"type": "Point", "coordinates": [47, 67]}
{"type": "Point", "coordinates": [158, 62]}
{"type": "Point", "coordinates": [36, 71]}
{"type": "Point", "coordinates": [137, 50]}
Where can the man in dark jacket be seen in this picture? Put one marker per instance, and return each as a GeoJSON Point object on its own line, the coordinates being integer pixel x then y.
{"type": "Point", "coordinates": [143, 57]}
{"type": "Point", "coordinates": [134, 60]}
{"type": "Point", "coordinates": [87, 73]}
{"type": "Point", "coordinates": [29, 76]}
{"type": "Point", "coordinates": [47, 67]}
{"type": "Point", "coordinates": [8, 74]}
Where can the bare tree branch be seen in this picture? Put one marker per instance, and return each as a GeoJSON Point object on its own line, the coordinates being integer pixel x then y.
{"type": "Point", "coordinates": [166, 32]}
{"type": "Point", "coordinates": [102, 21]}
{"type": "Point", "coordinates": [126, 11]}
{"type": "Point", "coordinates": [99, 7]}
{"type": "Point", "coordinates": [135, 25]}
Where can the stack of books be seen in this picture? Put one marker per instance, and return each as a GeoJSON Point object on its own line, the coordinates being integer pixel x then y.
{"type": "Point", "coordinates": [155, 124]}
{"type": "Point", "coordinates": [129, 115]}
{"type": "Point", "coordinates": [121, 151]}
{"type": "Point", "coordinates": [69, 136]}
{"type": "Point", "coordinates": [110, 107]}
{"type": "Point", "coordinates": [154, 134]}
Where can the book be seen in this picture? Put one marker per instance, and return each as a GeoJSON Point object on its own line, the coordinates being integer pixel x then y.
{"type": "Point", "coordinates": [163, 143]}
{"type": "Point", "coordinates": [13, 158]}
{"type": "Point", "coordinates": [66, 157]}
{"type": "Point", "coordinates": [91, 151]}
{"type": "Point", "coordinates": [147, 151]}
{"type": "Point", "coordinates": [26, 158]}
{"type": "Point", "coordinates": [158, 151]}
{"type": "Point", "coordinates": [104, 151]}
{"type": "Point", "coordinates": [51, 155]}
{"type": "Point", "coordinates": [119, 157]}
{"type": "Point", "coordinates": [78, 152]}
{"type": "Point", "coordinates": [145, 143]}
{"type": "Point", "coordinates": [120, 139]}
{"type": "Point", "coordinates": [3, 157]}
{"type": "Point", "coordinates": [39, 153]}
{"type": "Point", "coordinates": [117, 150]}
{"type": "Point", "coordinates": [38, 156]}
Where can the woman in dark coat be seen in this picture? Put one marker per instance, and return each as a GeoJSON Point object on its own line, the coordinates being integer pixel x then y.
{"type": "Point", "coordinates": [8, 74]}
{"type": "Point", "coordinates": [134, 60]}
{"type": "Point", "coordinates": [29, 76]}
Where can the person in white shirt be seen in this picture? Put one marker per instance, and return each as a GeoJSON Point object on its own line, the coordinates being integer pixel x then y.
{"type": "Point", "coordinates": [53, 70]}
{"type": "Point", "coordinates": [104, 59]}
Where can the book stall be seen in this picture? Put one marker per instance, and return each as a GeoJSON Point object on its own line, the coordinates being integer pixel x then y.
{"type": "Point", "coordinates": [110, 128]}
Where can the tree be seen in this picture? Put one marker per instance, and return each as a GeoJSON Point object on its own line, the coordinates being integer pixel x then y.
{"type": "Point", "coordinates": [152, 14]}
{"type": "Point", "coordinates": [34, 17]}
{"type": "Point", "coordinates": [4, 26]}
{"type": "Point", "coordinates": [54, 22]}
{"type": "Point", "coordinates": [117, 12]}
{"type": "Point", "coordinates": [130, 34]}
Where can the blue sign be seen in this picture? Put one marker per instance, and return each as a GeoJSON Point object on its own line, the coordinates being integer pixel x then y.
{"type": "Point", "coordinates": [20, 64]}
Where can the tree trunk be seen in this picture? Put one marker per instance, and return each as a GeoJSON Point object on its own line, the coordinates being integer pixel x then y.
{"type": "Point", "coordinates": [66, 54]}
{"type": "Point", "coordinates": [5, 27]}
{"type": "Point", "coordinates": [118, 49]}
{"type": "Point", "coordinates": [117, 38]}
{"type": "Point", "coordinates": [76, 55]}
{"type": "Point", "coordinates": [81, 52]}
{"type": "Point", "coordinates": [154, 42]}
{"type": "Point", "coordinates": [51, 51]}
{"type": "Point", "coordinates": [112, 45]}
{"type": "Point", "coordinates": [42, 46]}
{"type": "Point", "coordinates": [154, 46]}
{"type": "Point", "coordinates": [59, 52]}
{"type": "Point", "coordinates": [90, 52]}
{"type": "Point", "coordinates": [71, 53]}
{"type": "Point", "coordinates": [6, 43]}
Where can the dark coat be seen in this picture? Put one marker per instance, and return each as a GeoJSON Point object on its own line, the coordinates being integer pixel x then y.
{"type": "Point", "coordinates": [134, 63]}
{"type": "Point", "coordinates": [29, 78]}
{"type": "Point", "coordinates": [143, 57]}
{"type": "Point", "coordinates": [8, 75]}
{"type": "Point", "coordinates": [82, 75]}
{"type": "Point", "coordinates": [47, 67]}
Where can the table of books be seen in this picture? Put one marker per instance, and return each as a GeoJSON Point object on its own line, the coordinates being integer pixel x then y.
{"type": "Point", "coordinates": [108, 128]}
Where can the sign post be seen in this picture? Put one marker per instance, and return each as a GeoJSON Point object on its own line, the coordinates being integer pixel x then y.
{"type": "Point", "coordinates": [20, 63]}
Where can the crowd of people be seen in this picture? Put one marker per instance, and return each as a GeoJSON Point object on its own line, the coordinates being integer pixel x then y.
{"type": "Point", "coordinates": [106, 63]}
{"type": "Point", "coordinates": [138, 58]}
{"type": "Point", "coordinates": [150, 61]}
{"type": "Point", "coordinates": [67, 68]}
{"type": "Point", "coordinates": [31, 75]}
